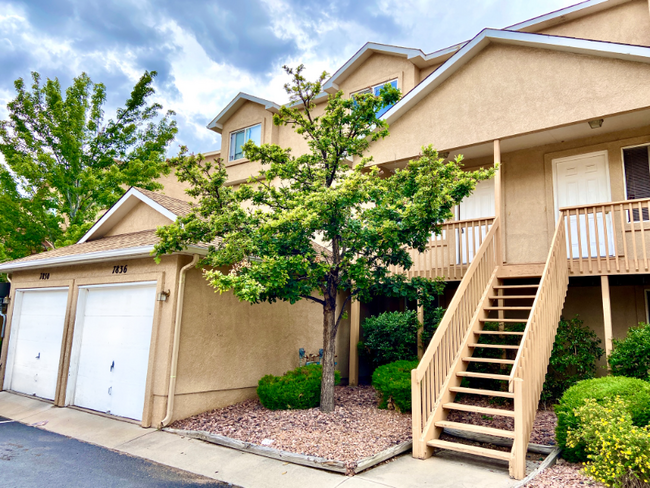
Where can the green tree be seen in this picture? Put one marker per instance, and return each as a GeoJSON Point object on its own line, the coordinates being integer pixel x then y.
{"type": "Point", "coordinates": [267, 229]}
{"type": "Point", "coordinates": [64, 163]}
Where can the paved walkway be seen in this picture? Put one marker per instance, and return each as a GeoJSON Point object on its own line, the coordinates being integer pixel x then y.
{"type": "Point", "coordinates": [247, 470]}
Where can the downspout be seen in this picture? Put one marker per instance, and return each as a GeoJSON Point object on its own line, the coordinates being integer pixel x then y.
{"type": "Point", "coordinates": [4, 317]}
{"type": "Point", "coordinates": [177, 334]}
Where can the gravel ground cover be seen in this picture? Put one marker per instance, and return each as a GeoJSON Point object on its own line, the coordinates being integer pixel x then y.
{"type": "Point", "coordinates": [543, 428]}
{"type": "Point", "coordinates": [563, 475]}
{"type": "Point", "coordinates": [355, 430]}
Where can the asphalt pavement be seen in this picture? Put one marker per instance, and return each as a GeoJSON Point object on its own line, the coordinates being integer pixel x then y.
{"type": "Point", "coordinates": [32, 457]}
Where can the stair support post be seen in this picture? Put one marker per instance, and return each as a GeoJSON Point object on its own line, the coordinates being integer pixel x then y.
{"type": "Point", "coordinates": [520, 444]}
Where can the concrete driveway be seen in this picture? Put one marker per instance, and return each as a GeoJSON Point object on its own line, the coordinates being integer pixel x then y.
{"type": "Point", "coordinates": [31, 457]}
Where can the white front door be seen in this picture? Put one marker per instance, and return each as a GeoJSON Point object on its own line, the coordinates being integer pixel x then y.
{"type": "Point", "coordinates": [480, 204]}
{"type": "Point", "coordinates": [110, 351]}
{"type": "Point", "coordinates": [584, 180]}
{"type": "Point", "coordinates": [35, 341]}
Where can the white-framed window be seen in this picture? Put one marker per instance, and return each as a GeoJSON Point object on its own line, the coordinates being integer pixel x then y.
{"type": "Point", "coordinates": [636, 166]}
{"type": "Point", "coordinates": [241, 137]}
{"type": "Point", "coordinates": [375, 91]}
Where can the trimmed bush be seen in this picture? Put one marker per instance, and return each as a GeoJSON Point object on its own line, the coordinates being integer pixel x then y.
{"type": "Point", "coordinates": [633, 392]}
{"type": "Point", "coordinates": [297, 389]}
{"type": "Point", "coordinates": [390, 336]}
{"type": "Point", "coordinates": [393, 382]}
{"type": "Point", "coordinates": [616, 448]}
{"type": "Point", "coordinates": [575, 353]}
{"type": "Point", "coordinates": [631, 356]}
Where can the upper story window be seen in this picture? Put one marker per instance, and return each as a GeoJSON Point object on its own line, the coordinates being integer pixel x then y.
{"type": "Point", "coordinates": [375, 91]}
{"type": "Point", "coordinates": [241, 137]}
{"type": "Point", "coordinates": [636, 162]}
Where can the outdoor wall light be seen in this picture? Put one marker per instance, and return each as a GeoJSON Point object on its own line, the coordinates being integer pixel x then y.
{"type": "Point", "coordinates": [163, 296]}
{"type": "Point", "coordinates": [596, 123]}
{"type": "Point", "coordinates": [6, 300]}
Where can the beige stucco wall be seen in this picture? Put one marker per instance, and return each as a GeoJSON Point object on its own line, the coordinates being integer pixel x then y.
{"type": "Point", "coordinates": [165, 275]}
{"type": "Point", "coordinates": [381, 68]}
{"type": "Point", "coordinates": [227, 345]}
{"type": "Point", "coordinates": [627, 24]}
{"type": "Point", "coordinates": [510, 90]}
{"type": "Point", "coordinates": [141, 217]}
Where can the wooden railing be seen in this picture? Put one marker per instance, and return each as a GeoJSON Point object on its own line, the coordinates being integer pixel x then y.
{"type": "Point", "coordinates": [449, 254]}
{"type": "Point", "coordinates": [608, 238]}
{"type": "Point", "coordinates": [432, 374]}
{"type": "Point", "coordinates": [529, 370]}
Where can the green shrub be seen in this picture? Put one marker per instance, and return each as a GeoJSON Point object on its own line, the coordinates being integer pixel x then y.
{"type": "Point", "coordinates": [393, 382]}
{"type": "Point", "coordinates": [391, 336]}
{"type": "Point", "coordinates": [631, 356]}
{"type": "Point", "coordinates": [297, 389]}
{"type": "Point", "coordinates": [618, 451]}
{"type": "Point", "coordinates": [575, 353]}
{"type": "Point", "coordinates": [634, 392]}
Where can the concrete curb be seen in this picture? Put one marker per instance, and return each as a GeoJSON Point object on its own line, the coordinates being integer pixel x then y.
{"type": "Point", "coordinates": [550, 460]}
{"type": "Point", "coordinates": [291, 457]}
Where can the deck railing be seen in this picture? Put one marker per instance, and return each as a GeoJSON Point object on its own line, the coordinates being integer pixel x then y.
{"type": "Point", "coordinates": [449, 254]}
{"type": "Point", "coordinates": [435, 366]}
{"type": "Point", "coordinates": [529, 370]}
{"type": "Point", "coordinates": [608, 238]}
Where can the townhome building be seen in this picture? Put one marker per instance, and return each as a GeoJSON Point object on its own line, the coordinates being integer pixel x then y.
{"type": "Point", "coordinates": [560, 104]}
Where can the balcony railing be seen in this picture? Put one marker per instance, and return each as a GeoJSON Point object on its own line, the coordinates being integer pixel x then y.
{"type": "Point", "coordinates": [449, 254]}
{"type": "Point", "coordinates": [608, 238]}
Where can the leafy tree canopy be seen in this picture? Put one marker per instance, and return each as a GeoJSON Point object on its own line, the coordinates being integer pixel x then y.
{"type": "Point", "coordinates": [268, 230]}
{"type": "Point", "coordinates": [65, 163]}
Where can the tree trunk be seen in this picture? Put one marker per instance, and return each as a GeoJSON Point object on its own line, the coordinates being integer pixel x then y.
{"type": "Point", "coordinates": [329, 351]}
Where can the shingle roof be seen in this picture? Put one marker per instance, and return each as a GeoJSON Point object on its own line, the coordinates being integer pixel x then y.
{"type": "Point", "coordinates": [174, 205]}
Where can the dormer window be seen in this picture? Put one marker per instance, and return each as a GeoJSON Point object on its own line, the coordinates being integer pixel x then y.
{"type": "Point", "coordinates": [241, 137]}
{"type": "Point", "coordinates": [375, 91]}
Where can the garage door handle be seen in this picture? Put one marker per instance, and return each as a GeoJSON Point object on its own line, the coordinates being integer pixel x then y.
{"type": "Point", "coordinates": [110, 390]}
{"type": "Point", "coordinates": [112, 365]}
{"type": "Point", "coordinates": [39, 356]}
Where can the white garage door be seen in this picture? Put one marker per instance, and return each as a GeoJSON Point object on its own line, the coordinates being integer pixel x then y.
{"type": "Point", "coordinates": [35, 341]}
{"type": "Point", "coordinates": [110, 350]}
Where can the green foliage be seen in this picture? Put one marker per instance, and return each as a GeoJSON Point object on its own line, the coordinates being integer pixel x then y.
{"type": "Point", "coordinates": [393, 382]}
{"type": "Point", "coordinates": [390, 336]}
{"type": "Point", "coordinates": [65, 163]}
{"type": "Point", "coordinates": [618, 451]}
{"type": "Point", "coordinates": [575, 353]}
{"type": "Point", "coordinates": [266, 250]}
{"type": "Point", "coordinates": [297, 389]}
{"type": "Point", "coordinates": [631, 356]}
{"type": "Point", "coordinates": [633, 392]}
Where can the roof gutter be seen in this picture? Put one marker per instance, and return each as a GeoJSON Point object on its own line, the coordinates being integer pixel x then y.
{"type": "Point", "coordinates": [175, 348]}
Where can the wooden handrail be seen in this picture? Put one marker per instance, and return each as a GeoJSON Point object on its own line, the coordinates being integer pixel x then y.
{"type": "Point", "coordinates": [429, 378]}
{"type": "Point", "coordinates": [530, 366]}
{"type": "Point", "coordinates": [600, 204]}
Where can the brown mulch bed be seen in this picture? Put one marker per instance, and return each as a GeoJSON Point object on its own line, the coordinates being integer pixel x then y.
{"type": "Point", "coordinates": [355, 430]}
{"type": "Point", "coordinates": [543, 428]}
{"type": "Point", "coordinates": [563, 475]}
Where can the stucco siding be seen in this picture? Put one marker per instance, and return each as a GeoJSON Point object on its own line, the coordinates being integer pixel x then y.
{"type": "Point", "coordinates": [141, 217]}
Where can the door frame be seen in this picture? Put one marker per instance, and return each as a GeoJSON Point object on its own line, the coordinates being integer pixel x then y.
{"type": "Point", "coordinates": [554, 163]}
{"type": "Point", "coordinates": [15, 331]}
{"type": "Point", "coordinates": [75, 349]}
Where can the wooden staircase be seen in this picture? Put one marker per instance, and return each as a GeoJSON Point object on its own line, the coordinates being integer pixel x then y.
{"type": "Point", "coordinates": [494, 341]}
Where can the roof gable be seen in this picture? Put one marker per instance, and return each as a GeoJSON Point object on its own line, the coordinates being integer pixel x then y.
{"type": "Point", "coordinates": [170, 208]}
{"type": "Point", "coordinates": [216, 124]}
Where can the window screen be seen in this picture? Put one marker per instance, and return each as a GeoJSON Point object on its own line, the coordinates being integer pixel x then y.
{"type": "Point", "coordinates": [239, 138]}
{"type": "Point", "coordinates": [637, 176]}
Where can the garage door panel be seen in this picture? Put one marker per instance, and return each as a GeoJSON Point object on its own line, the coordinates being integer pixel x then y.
{"type": "Point", "coordinates": [35, 342]}
{"type": "Point", "coordinates": [113, 351]}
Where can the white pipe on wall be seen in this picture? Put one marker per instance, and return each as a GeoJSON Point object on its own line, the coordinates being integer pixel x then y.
{"type": "Point", "coordinates": [177, 334]}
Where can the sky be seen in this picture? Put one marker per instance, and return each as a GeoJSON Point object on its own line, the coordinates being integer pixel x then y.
{"type": "Point", "coordinates": [205, 52]}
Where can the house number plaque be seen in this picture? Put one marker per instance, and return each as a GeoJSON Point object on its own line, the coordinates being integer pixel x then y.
{"type": "Point", "coordinates": [44, 276]}
{"type": "Point", "coordinates": [119, 269]}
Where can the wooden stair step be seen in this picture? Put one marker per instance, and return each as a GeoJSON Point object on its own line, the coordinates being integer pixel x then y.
{"type": "Point", "coordinates": [489, 360]}
{"type": "Point", "coordinates": [504, 321]}
{"type": "Point", "coordinates": [512, 297]}
{"type": "Point", "coordinates": [479, 429]}
{"type": "Point", "coordinates": [494, 346]}
{"type": "Point", "coordinates": [499, 332]}
{"type": "Point", "coordinates": [508, 308]}
{"type": "Point", "coordinates": [477, 391]}
{"type": "Point", "coordinates": [512, 287]}
{"type": "Point", "coordinates": [486, 376]}
{"type": "Point", "coordinates": [480, 451]}
{"type": "Point", "coordinates": [482, 410]}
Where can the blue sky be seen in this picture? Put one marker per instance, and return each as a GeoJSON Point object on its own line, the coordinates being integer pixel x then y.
{"type": "Point", "coordinates": [207, 51]}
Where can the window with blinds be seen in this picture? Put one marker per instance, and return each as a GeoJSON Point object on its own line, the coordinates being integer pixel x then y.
{"type": "Point", "coordinates": [637, 176]}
